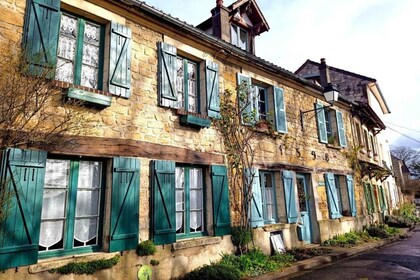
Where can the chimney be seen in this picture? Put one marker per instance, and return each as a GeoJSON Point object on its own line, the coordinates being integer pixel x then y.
{"type": "Point", "coordinates": [324, 73]}
{"type": "Point", "coordinates": [220, 21]}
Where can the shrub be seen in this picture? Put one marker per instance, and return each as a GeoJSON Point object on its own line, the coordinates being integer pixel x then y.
{"type": "Point", "coordinates": [377, 231]}
{"type": "Point", "coordinates": [283, 259]}
{"type": "Point", "coordinates": [214, 272]}
{"type": "Point", "coordinates": [348, 239]}
{"type": "Point", "coordinates": [146, 248]}
{"type": "Point", "coordinates": [300, 254]}
{"type": "Point", "coordinates": [241, 237]}
{"type": "Point", "coordinates": [398, 222]}
{"type": "Point", "coordinates": [154, 262]}
{"type": "Point", "coordinates": [86, 267]}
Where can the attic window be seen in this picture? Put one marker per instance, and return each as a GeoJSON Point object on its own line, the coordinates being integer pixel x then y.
{"type": "Point", "coordinates": [239, 37]}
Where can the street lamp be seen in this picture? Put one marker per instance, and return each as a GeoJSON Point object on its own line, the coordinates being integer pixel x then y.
{"type": "Point", "coordinates": [330, 93]}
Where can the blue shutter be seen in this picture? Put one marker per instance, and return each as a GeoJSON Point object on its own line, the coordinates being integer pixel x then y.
{"type": "Point", "coordinates": [257, 216]}
{"type": "Point", "coordinates": [22, 176]}
{"type": "Point", "coordinates": [322, 128]}
{"type": "Point", "coordinates": [124, 225]}
{"type": "Point", "coordinates": [168, 96]}
{"type": "Point", "coordinates": [352, 198]}
{"type": "Point", "coordinates": [246, 102]}
{"type": "Point", "coordinates": [40, 39]}
{"type": "Point", "coordinates": [163, 202]}
{"type": "Point", "coordinates": [120, 60]}
{"type": "Point", "coordinates": [212, 87]}
{"type": "Point", "coordinates": [341, 129]}
{"type": "Point", "coordinates": [290, 197]}
{"type": "Point", "coordinates": [279, 110]}
{"type": "Point", "coordinates": [332, 194]}
{"type": "Point", "coordinates": [220, 192]}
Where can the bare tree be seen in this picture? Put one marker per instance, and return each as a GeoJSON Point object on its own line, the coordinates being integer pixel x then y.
{"type": "Point", "coordinates": [407, 154]}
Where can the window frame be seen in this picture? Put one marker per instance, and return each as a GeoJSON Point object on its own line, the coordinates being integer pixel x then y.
{"type": "Point", "coordinates": [186, 201]}
{"type": "Point", "coordinates": [68, 231]}
{"type": "Point", "coordinates": [258, 93]}
{"type": "Point", "coordinates": [185, 94]}
{"type": "Point", "coordinates": [78, 60]}
{"type": "Point", "coordinates": [238, 30]}
{"type": "Point", "coordinates": [262, 179]}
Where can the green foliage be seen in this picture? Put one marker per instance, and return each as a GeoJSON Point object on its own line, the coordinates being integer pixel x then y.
{"type": "Point", "coordinates": [146, 248]}
{"type": "Point", "coordinates": [213, 272]}
{"type": "Point", "coordinates": [154, 262]}
{"type": "Point", "coordinates": [348, 239]}
{"type": "Point", "coordinates": [378, 231]}
{"type": "Point", "coordinates": [241, 237]}
{"type": "Point", "coordinates": [300, 254]}
{"type": "Point", "coordinates": [398, 222]}
{"type": "Point", "coordinates": [408, 211]}
{"type": "Point", "coordinates": [86, 267]}
{"type": "Point", "coordinates": [284, 259]}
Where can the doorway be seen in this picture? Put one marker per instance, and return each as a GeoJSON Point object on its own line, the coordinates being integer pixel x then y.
{"type": "Point", "coordinates": [304, 221]}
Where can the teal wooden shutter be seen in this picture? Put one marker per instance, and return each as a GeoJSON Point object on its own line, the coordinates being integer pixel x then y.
{"type": "Point", "coordinates": [119, 82]}
{"type": "Point", "coordinates": [290, 197]}
{"type": "Point", "coordinates": [163, 207]}
{"type": "Point", "coordinates": [257, 214]}
{"type": "Point", "coordinates": [168, 95]}
{"type": "Point", "coordinates": [246, 101]}
{"type": "Point", "coordinates": [368, 197]}
{"type": "Point", "coordinates": [332, 194]}
{"type": "Point", "coordinates": [341, 129]}
{"type": "Point", "coordinates": [382, 199]}
{"type": "Point", "coordinates": [352, 198]}
{"type": "Point", "coordinates": [220, 192]}
{"type": "Point", "coordinates": [212, 87]}
{"type": "Point", "coordinates": [322, 129]}
{"type": "Point", "coordinates": [40, 39]}
{"type": "Point", "coordinates": [22, 174]}
{"type": "Point", "coordinates": [124, 227]}
{"type": "Point", "coordinates": [279, 110]}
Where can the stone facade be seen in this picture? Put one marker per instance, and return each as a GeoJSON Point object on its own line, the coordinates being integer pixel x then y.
{"type": "Point", "coordinates": [139, 127]}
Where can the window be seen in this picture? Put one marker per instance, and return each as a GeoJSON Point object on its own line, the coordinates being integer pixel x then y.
{"type": "Point", "coordinates": [179, 80]}
{"type": "Point", "coordinates": [239, 37]}
{"type": "Point", "coordinates": [75, 48]}
{"type": "Point", "coordinates": [189, 200]}
{"type": "Point", "coordinates": [358, 135]}
{"type": "Point", "coordinates": [268, 196]}
{"type": "Point", "coordinates": [262, 103]}
{"type": "Point", "coordinates": [340, 195]}
{"type": "Point", "coordinates": [331, 129]}
{"type": "Point", "coordinates": [80, 52]}
{"type": "Point", "coordinates": [187, 85]}
{"type": "Point", "coordinates": [71, 205]}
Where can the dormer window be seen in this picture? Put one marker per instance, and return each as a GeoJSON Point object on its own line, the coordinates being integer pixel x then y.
{"type": "Point", "coordinates": [239, 37]}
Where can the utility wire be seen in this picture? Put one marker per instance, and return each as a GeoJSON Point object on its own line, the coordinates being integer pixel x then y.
{"type": "Point", "coordinates": [402, 127]}
{"type": "Point", "coordinates": [404, 134]}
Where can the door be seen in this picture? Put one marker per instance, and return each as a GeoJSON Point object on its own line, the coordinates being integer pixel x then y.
{"type": "Point", "coordinates": [304, 223]}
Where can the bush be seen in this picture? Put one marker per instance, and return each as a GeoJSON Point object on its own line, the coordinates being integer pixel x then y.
{"type": "Point", "coordinates": [398, 222]}
{"type": "Point", "coordinates": [214, 272]}
{"type": "Point", "coordinates": [241, 237]}
{"type": "Point", "coordinates": [154, 262]}
{"type": "Point", "coordinates": [283, 259]}
{"type": "Point", "coordinates": [348, 239]}
{"type": "Point", "coordinates": [86, 267]}
{"type": "Point", "coordinates": [377, 231]}
{"type": "Point", "coordinates": [300, 254]}
{"type": "Point", "coordinates": [146, 248]}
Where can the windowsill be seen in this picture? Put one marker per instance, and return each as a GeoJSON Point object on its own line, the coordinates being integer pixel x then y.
{"type": "Point", "coordinates": [332, 146]}
{"type": "Point", "coordinates": [50, 263]}
{"type": "Point", "coordinates": [193, 119]}
{"type": "Point", "coordinates": [346, 218]}
{"type": "Point", "coordinates": [274, 227]}
{"type": "Point", "coordinates": [87, 95]}
{"type": "Point", "coordinates": [196, 242]}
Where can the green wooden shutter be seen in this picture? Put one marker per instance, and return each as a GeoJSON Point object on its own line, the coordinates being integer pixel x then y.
{"type": "Point", "coordinates": [341, 129]}
{"type": "Point", "coordinates": [120, 60]}
{"type": "Point", "coordinates": [367, 197]}
{"type": "Point", "coordinates": [382, 199]}
{"type": "Point", "coordinates": [352, 198]}
{"type": "Point", "coordinates": [163, 207]}
{"type": "Point", "coordinates": [40, 38]}
{"type": "Point", "coordinates": [220, 192]}
{"type": "Point", "coordinates": [23, 173]}
{"type": "Point", "coordinates": [124, 226]}
{"type": "Point", "coordinates": [279, 110]}
{"type": "Point", "coordinates": [212, 86]}
{"type": "Point", "coordinates": [322, 129]}
{"type": "Point", "coordinates": [332, 194]}
{"type": "Point", "coordinates": [257, 214]}
{"type": "Point", "coordinates": [290, 196]}
{"type": "Point", "coordinates": [246, 102]}
{"type": "Point", "coordinates": [168, 95]}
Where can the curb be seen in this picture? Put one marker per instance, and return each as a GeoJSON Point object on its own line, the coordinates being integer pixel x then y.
{"type": "Point", "coordinates": [338, 254]}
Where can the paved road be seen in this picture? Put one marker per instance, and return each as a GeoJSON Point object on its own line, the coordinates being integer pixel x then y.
{"type": "Point", "coordinates": [400, 260]}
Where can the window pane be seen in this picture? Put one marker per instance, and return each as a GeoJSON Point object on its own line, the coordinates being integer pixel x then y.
{"type": "Point", "coordinates": [54, 204]}
{"type": "Point", "coordinates": [87, 203]}
{"type": "Point", "coordinates": [192, 87]}
{"type": "Point", "coordinates": [57, 173]}
{"type": "Point", "coordinates": [180, 81]}
{"type": "Point", "coordinates": [234, 35]}
{"type": "Point", "coordinates": [261, 103]}
{"type": "Point", "coordinates": [243, 40]}
{"type": "Point", "coordinates": [196, 199]}
{"type": "Point", "coordinates": [89, 174]}
{"type": "Point", "coordinates": [196, 221]}
{"type": "Point", "coordinates": [85, 230]}
{"type": "Point", "coordinates": [179, 199]}
{"type": "Point", "coordinates": [66, 49]}
{"type": "Point", "coordinates": [51, 233]}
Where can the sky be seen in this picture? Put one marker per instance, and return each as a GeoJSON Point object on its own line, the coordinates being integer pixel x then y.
{"type": "Point", "coordinates": [375, 38]}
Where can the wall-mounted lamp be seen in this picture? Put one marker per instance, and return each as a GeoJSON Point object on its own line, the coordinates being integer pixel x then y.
{"type": "Point", "coordinates": [330, 93]}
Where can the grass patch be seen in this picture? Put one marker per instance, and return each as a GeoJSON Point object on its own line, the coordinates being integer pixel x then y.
{"type": "Point", "coordinates": [86, 267]}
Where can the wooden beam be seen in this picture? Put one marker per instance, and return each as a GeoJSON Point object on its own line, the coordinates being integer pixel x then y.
{"type": "Point", "coordinates": [283, 166]}
{"type": "Point", "coordinates": [112, 147]}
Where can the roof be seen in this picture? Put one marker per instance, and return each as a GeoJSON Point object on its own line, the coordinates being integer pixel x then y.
{"type": "Point", "coordinates": [371, 83]}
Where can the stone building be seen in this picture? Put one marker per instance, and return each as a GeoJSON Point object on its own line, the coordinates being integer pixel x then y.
{"type": "Point", "coordinates": [153, 167]}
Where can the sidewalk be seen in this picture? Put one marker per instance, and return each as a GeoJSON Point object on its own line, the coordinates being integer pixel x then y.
{"type": "Point", "coordinates": [334, 254]}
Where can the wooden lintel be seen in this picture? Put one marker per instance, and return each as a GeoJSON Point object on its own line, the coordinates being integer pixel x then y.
{"type": "Point", "coordinates": [283, 166]}
{"type": "Point", "coordinates": [112, 147]}
{"type": "Point", "coordinates": [335, 171]}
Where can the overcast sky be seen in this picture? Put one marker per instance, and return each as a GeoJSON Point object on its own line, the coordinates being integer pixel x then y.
{"type": "Point", "coordinates": [376, 38]}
